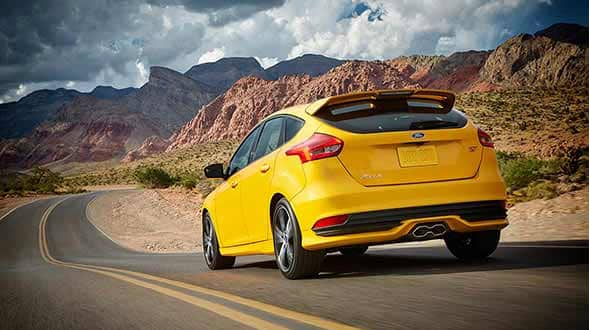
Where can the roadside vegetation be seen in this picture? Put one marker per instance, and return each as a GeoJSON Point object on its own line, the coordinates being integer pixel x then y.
{"type": "Point", "coordinates": [179, 168]}
{"type": "Point", "coordinates": [529, 178]}
{"type": "Point", "coordinates": [541, 137]}
{"type": "Point", "coordinates": [38, 180]}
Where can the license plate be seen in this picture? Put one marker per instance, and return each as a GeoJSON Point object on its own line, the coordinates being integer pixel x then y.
{"type": "Point", "coordinates": [417, 156]}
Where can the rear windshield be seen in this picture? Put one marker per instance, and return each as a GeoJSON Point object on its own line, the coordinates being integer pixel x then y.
{"type": "Point", "coordinates": [387, 116]}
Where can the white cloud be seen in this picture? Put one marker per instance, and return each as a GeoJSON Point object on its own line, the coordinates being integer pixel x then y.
{"type": "Point", "coordinates": [212, 55]}
{"type": "Point", "coordinates": [267, 62]}
{"type": "Point", "coordinates": [175, 37]}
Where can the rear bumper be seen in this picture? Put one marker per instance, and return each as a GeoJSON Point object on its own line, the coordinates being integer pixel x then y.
{"type": "Point", "coordinates": [384, 214]}
{"type": "Point", "coordinates": [387, 219]}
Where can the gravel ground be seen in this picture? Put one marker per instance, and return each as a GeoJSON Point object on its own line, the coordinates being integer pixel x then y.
{"type": "Point", "coordinates": [149, 220]}
{"type": "Point", "coordinates": [166, 220]}
{"type": "Point", "coordinates": [562, 218]}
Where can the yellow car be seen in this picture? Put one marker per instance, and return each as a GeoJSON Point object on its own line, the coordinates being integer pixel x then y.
{"type": "Point", "coordinates": [350, 171]}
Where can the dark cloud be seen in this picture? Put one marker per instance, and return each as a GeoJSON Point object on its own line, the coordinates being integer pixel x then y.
{"type": "Point", "coordinates": [76, 40]}
{"type": "Point", "coordinates": [221, 12]}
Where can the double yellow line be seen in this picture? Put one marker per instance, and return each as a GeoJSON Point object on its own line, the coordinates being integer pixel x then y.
{"type": "Point", "coordinates": [135, 278]}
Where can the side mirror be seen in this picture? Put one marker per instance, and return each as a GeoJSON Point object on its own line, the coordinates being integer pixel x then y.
{"type": "Point", "coordinates": [214, 171]}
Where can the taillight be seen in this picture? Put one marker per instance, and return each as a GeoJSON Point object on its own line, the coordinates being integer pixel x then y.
{"type": "Point", "coordinates": [318, 146]}
{"type": "Point", "coordinates": [484, 138]}
{"type": "Point", "coordinates": [330, 221]}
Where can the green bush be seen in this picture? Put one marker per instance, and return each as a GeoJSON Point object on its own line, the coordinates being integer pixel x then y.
{"type": "Point", "coordinates": [189, 181]}
{"type": "Point", "coordinates": [42, 180]}
{"type": "Point", "coordinates": [541, 190]}
{"type": "Point", "coordinates": [152, 177]}
{"type": "Point", "coordinates": [519, 173]}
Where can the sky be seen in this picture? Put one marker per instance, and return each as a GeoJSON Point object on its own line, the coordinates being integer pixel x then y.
{"type": "Point", "coordinates": [81, 44]}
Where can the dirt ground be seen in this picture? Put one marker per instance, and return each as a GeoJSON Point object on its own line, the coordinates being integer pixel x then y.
{"type": "Point", "coordinates": [167, 220]}
{"type": "Point", "coordinates": [562, 218]}
{"type": "Point", "coordinates": [149, 220]}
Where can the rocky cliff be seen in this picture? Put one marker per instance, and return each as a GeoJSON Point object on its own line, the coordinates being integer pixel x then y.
{"type": "Point", "coordinates": [97, 129]}
{"type": "Point", "coordinates": [556, 56]}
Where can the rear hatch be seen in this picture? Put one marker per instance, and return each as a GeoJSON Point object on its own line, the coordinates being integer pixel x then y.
{"type": "Point", "coordinates": [403, 137]}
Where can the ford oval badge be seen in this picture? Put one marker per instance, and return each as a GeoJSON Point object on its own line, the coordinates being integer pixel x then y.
{"type": "Point", "coordinates": [418, 135]}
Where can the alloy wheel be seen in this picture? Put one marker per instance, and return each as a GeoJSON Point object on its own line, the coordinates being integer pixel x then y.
{"type": "Point", "coordinates": [284, 243]}
{"type": "Point", "coordinates": [208, 240]}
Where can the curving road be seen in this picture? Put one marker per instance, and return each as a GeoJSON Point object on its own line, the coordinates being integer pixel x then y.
{"type": "Point", "coordinates": [57, 271]}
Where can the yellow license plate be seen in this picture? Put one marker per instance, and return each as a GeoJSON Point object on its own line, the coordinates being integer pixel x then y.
{"type": "Point", "coordinates": [417, 156]}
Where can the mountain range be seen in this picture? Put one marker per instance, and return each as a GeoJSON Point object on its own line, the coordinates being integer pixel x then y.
{"type": "Point", "coordinates": [224, 99]}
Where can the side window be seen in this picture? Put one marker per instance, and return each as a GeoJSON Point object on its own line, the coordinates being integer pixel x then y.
{"type": "Point", "coordinates": [270, 138]}
{"type": "Point", "coordinates": [292, 126]}
{"type": "Point", "coordinates": [241, 156]}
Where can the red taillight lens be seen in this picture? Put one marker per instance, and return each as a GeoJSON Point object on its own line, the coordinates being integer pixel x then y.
{"type": "Point", "coordinates": [330, 221]}
{"type": "Point", "coordinates": [318, 146]}
{"type": "Point", "coordinates": [484, 138]}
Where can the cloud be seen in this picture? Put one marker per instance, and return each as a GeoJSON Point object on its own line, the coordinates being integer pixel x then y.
{"type": "Point", "coordinates": [221, 12]}
{"type": "Point", "coordinates": [98, 42]}
{"type": "Point", "coordinates": [79, 40]}
{"type": "Point", "coordinates": [211, 56]}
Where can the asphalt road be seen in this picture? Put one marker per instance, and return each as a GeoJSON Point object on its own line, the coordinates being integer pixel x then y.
{"type": "Point", "coordinates": [57, 271]}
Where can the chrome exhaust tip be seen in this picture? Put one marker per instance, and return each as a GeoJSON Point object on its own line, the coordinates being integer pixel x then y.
{"type": "Point", "coordinates": [428, 231]}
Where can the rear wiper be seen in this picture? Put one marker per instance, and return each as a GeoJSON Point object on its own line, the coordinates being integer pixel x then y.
{"type": "Point", "coordinates": [432, 124]}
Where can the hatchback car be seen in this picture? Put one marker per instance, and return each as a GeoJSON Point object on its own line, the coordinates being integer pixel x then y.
{"type": "Point", "coordinates": [350, 171]}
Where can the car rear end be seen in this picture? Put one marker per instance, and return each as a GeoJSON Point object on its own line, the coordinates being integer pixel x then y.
{"type": "Point", "coordinates": [394, 166]}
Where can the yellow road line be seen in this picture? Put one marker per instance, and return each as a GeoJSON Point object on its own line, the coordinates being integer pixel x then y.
{"type": "Point", "coordinates": [213, 307]}
{"type": "Point", "coordinates": [219, 309]}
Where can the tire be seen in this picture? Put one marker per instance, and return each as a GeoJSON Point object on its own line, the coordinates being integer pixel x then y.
{"type": "Point", "coordinates": [211, 253]}
{"type": "Point", "coordinates": [354, 250]}
{"type": "Point", "coordinates": [293, 261]}
{"type": "Point", "coordinates": [473, 246]}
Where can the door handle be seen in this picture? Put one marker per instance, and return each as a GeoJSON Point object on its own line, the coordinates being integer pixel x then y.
{"type": "Point", "coordinates": [264, 168]}
{"type": "Point", "coordinates": [234, 184]}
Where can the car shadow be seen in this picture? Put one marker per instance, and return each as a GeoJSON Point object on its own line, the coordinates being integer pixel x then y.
{"type": "Point", "coordinates": [437, 260]}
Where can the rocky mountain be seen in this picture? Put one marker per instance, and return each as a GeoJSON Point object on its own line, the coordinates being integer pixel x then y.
{"type": "Point", "coordinates": [232, 114]}
{"type": "Point", "coordinates": [21, 117]}
{"type": "Point", "coordinates": [98, 129]}
{"type": "Point", "coordinates": [224, 99]}
{"type": "Point", "coordinates": [556, 56]}
{"type": "Point", "coordinates": [309, 64]}
{"type": "Point", "coordinates": [109, 92]}
{"type": "Point", "coordinates": [224, 72]}
{"type": "Point", "coordinates": [553, 57]}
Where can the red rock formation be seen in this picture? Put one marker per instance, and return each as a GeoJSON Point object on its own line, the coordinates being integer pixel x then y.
{"type": "Point", "coordinates": [250, 99]}
{"type": "Point", "coordinates": [152, 145]}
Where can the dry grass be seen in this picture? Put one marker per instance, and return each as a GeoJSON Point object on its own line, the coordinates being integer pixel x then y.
{"type": "Point", "coordinates": [535, 123]}
{"type": "Point", "coordinates": [539, 122]}
{"type": "Point", "coordinates": [185, 162]}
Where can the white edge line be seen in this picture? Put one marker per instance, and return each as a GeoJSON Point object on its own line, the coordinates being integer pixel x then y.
{"type": "Point", "coordinates": [22, 205]}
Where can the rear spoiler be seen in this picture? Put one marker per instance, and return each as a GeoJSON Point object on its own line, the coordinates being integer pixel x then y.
{"type": "Point", "coordinates": [445, 98]}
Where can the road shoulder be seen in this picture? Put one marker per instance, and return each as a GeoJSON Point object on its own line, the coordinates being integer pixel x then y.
{"type": "Point", "coordinates": [156, 221]}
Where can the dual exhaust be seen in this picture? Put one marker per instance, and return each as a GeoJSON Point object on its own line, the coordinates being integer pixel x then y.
{"type": "Point", "coordinates": [428, 231]}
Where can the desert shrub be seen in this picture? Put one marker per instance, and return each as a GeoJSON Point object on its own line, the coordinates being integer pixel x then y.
{"type": "Point", "coordinates": [541, 189]}
{"type": "Point", "coordinates": [42, 180]}
{"type": "Point", "coordinates": [188, 181]}
{"type": "Point", "coordinates": [573, 162]}
{"type": "Point", "coordinates": [153, 177]}
{"type": "Point", "coordinates": [520, 172]}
